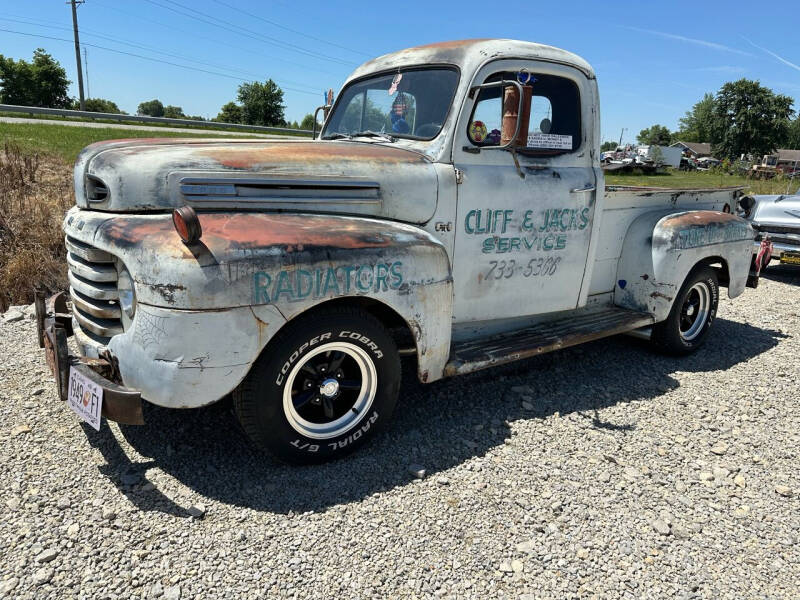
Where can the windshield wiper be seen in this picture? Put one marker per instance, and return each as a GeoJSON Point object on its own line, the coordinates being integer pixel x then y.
{"type": "Point", "coordinates": [337, 136]}
{"type": "Point", "coordinates": [376, 134]}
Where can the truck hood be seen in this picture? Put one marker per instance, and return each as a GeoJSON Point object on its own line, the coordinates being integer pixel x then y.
{"type": "Point", "coordinates": [776, 211]}
{"type": "Point", "coordinates": [344, 177]}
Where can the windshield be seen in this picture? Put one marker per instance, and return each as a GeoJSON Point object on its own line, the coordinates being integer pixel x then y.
{"type": "Point", "coordinates": [409, 104]}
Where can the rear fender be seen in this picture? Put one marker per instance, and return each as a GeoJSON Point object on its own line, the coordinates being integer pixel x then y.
{"type": "Point", "coordinates": [662, 247]}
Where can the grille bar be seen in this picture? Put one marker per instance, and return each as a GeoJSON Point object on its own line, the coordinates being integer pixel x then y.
{"type": "Point", "coordinates": [103, 309]}
{"type": "Point", "coordinates": [99, 291]}
{"type": "Point", "coordinates": [93, 290]}
{"type": "Point", "coordinates": [103, 327]}
{"type": "Point", "coordinates": [93, 272]}
{"type": "Point", "coordinates": [87, 252]}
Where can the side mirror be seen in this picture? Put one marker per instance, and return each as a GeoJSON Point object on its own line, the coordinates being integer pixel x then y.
{"type": "Point", "coordinates": [515, 113]}
{"type": "Point", "coordinates": [326, 109]}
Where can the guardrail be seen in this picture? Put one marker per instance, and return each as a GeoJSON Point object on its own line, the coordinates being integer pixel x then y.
{"type": "Point", "coordinates": [85, 114]}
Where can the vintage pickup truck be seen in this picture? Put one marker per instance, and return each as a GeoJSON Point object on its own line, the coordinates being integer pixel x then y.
{"type": "Point", "coordinates": [452, 209]}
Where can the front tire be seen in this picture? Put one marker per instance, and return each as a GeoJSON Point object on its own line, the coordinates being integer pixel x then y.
{"type": "Point", "coordinates": [694, 310]}
{"type": "Point", "coordinates": [323, 387]}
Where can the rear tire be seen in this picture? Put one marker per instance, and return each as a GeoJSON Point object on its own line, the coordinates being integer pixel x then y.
{"type": "Point", "coordinates": [323, 387]}
{"type": "Point", "coordinates": [692, 314]}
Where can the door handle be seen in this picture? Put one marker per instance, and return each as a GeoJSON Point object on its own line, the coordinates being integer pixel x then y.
{"type": "Point", "coordinates": [591, 188]}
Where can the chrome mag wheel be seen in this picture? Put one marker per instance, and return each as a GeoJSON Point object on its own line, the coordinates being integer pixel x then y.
{"type": "Point", "coordinates": [695, 310]}
{"type": "Point", "coordinates": [330, 391]}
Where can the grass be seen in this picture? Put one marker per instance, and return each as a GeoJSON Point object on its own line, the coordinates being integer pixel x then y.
{"type": "Point", "coordinates": [704, 179]}
{"type": "Point", "coordinates": [66, 141]}
{"type": "Point", "coordinates": [35, 192]}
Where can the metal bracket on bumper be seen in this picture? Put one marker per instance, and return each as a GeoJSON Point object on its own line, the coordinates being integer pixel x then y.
{"type": "Point", "coordinates": [54, 326]}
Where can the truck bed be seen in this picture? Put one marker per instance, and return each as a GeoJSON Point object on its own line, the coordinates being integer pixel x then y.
{"type": "Point", "coordinates": [621, 204]}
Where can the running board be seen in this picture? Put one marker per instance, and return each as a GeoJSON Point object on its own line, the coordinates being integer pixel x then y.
{"type": "Point", "coordinates": [474, 355]}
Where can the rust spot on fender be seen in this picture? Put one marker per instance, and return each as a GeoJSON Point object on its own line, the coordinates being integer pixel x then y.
{"type": "Point", "coordinates": [700, 217]}
{"type": "Point", "coordinates": [271, 153]}
{"type": "Point", "coordinates": [227, 233]}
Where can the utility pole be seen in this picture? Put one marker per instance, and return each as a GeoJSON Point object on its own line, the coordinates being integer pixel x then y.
{"type": "Point", "coordinates": [74, 4]}
{"type": "Point", "coordinates": [86, 67]}
{"type": "Point", "coordinates": [620, 136]}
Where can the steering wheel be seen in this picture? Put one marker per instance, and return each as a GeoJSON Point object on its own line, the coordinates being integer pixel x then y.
{"type": "Point", "coordinates": [427, 130]}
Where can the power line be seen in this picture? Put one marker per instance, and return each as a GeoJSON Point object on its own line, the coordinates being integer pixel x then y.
{"type": "Point", "coordinates": [239, 30]}
{"type": "Point", "coordinates": [48, 37]}
{"type": "Point", "coordinates": [224, 43]}
{"type": "Point", "coordinates": [311, 37]}
{"type": "Point", "coordinates": [142, 47]}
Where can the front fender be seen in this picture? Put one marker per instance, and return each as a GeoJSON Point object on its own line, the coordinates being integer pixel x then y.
{"type": "Point", "coordinates": [290, 262]}
{"type": "Point", "coordinates": [662, 247]}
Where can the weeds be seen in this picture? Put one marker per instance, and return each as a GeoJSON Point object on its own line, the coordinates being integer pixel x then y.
{"type": "Point", "coordinates": [35, 192]}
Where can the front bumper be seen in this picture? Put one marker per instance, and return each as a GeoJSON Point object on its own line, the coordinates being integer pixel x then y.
{"type": "Point", "coordinates": [54, 326]}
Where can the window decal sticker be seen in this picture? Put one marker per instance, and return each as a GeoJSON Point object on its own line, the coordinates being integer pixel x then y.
{"type": "Point", "coordinates": [550, 141]}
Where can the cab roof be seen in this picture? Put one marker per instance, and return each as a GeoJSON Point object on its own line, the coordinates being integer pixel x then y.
{"type": "Point", "coordinates": [468, 55]}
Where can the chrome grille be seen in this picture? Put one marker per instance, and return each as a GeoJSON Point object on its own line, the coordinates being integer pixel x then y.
{"type": "Point", "coordinates": [93, 289]}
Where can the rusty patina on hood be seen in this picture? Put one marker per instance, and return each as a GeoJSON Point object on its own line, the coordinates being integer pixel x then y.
{"type": "Point", "coordinates": [338, 177]}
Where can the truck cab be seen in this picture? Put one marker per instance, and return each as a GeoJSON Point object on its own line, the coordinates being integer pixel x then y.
{"type": "Point", "coordinates": [452, 209]}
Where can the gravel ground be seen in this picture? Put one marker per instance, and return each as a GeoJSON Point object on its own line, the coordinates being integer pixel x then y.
{"type": "Point", "coordinates": [603, 471]}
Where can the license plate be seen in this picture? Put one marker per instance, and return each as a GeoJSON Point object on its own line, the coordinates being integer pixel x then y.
{"type": "Point", "coordinates": [85, 398]}
{"type": "Point", "coordinates": [790, 258]}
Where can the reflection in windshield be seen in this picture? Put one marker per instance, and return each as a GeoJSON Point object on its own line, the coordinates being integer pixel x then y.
{"type": "Point", "coordinates": [409, 104]}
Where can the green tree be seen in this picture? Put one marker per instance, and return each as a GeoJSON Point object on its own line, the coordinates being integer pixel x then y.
{"type": "Point", "coordinates": [606, 146]}
{"type": "Point", "coordinates": [151, 108]}
{"type": "Point", "coordinates": [308, 122]}
{"type": "Point", "coordinates": [100, 105]}
{"type": "Point", "coordinates": [749, 118]}
{"type": "Point", "coordinates": [695, 125]}
{"type": "Point", "coordinates": [174, 112]}
{"type": "Point", "coordinates": [262, 103]}
{"type": "Point", "coordinates": [41, 82]}
{"type": "Point", "coordinates": [793, 140]}
{"type": "Point", "coordinates": [230, 113]}
{"type": "Point", "coordinates": [657, 134]}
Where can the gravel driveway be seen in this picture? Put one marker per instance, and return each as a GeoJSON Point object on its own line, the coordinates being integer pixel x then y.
{"type": "Point", "coordinates": [602, 471]}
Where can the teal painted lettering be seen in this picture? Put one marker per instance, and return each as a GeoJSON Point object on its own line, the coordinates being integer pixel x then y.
{"type": "Point", "coordinates": [318, 282]}
{"type": "Point", "coordinates": [514, 243]}
{"type": "Point", "coordinates": [283, 286]}
{"type": "Point", "coordinates": [562, 226]}
{"type": "Point", "coordinates": [261, 283]}
{"type": "Point", "coordinates": [502, 245]}
{"type": "Point", "coordinates": [573, 219]}
{"type": "Point", "coordinates": [527, 220]}
{"type": "Point", "coordinates": [467, 227]}
{"type": "Point", "coordinates": [347, 272]}
{"type": "Point", "coordinates": [360, 283]}
{"type": "Point", "coordinates": [302, 277]}
{"type": "Point", "coordinates": [381, 273]}
{"type": "Point", "coordinates": [545, 219]}
{"type": "Point", "coordinates": [330, 278]}
{"type": "Point", "coordinates": [507, 216]}
{"type": "Point", "coordinates": [547, 243]}
{"type": "Point", "coordinates": [397, 274]}
{"type": "Point", "coordinates": [584, 218]}
{"type": "Point", "coordinates": [561, 241]}
{"type": "Point", "coordinates": [488, 245]}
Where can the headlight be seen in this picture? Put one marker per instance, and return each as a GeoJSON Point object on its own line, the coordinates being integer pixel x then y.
{"type": "Point", "coordinates": [127, 293]}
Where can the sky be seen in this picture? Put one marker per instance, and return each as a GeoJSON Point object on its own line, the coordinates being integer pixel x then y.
{"type": "Point", "coordinates": [653, 60]}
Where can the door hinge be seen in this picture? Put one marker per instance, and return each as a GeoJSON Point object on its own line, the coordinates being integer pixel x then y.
{"type": "Point", "coordinates": [459, 176]}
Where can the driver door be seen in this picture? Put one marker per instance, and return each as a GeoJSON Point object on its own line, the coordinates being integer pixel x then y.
{"type": "Point", "coordinates": [523, 230]}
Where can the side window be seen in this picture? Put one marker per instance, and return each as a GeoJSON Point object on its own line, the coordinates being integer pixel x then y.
{"type": "Point", "coordinates": [553, 111]}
